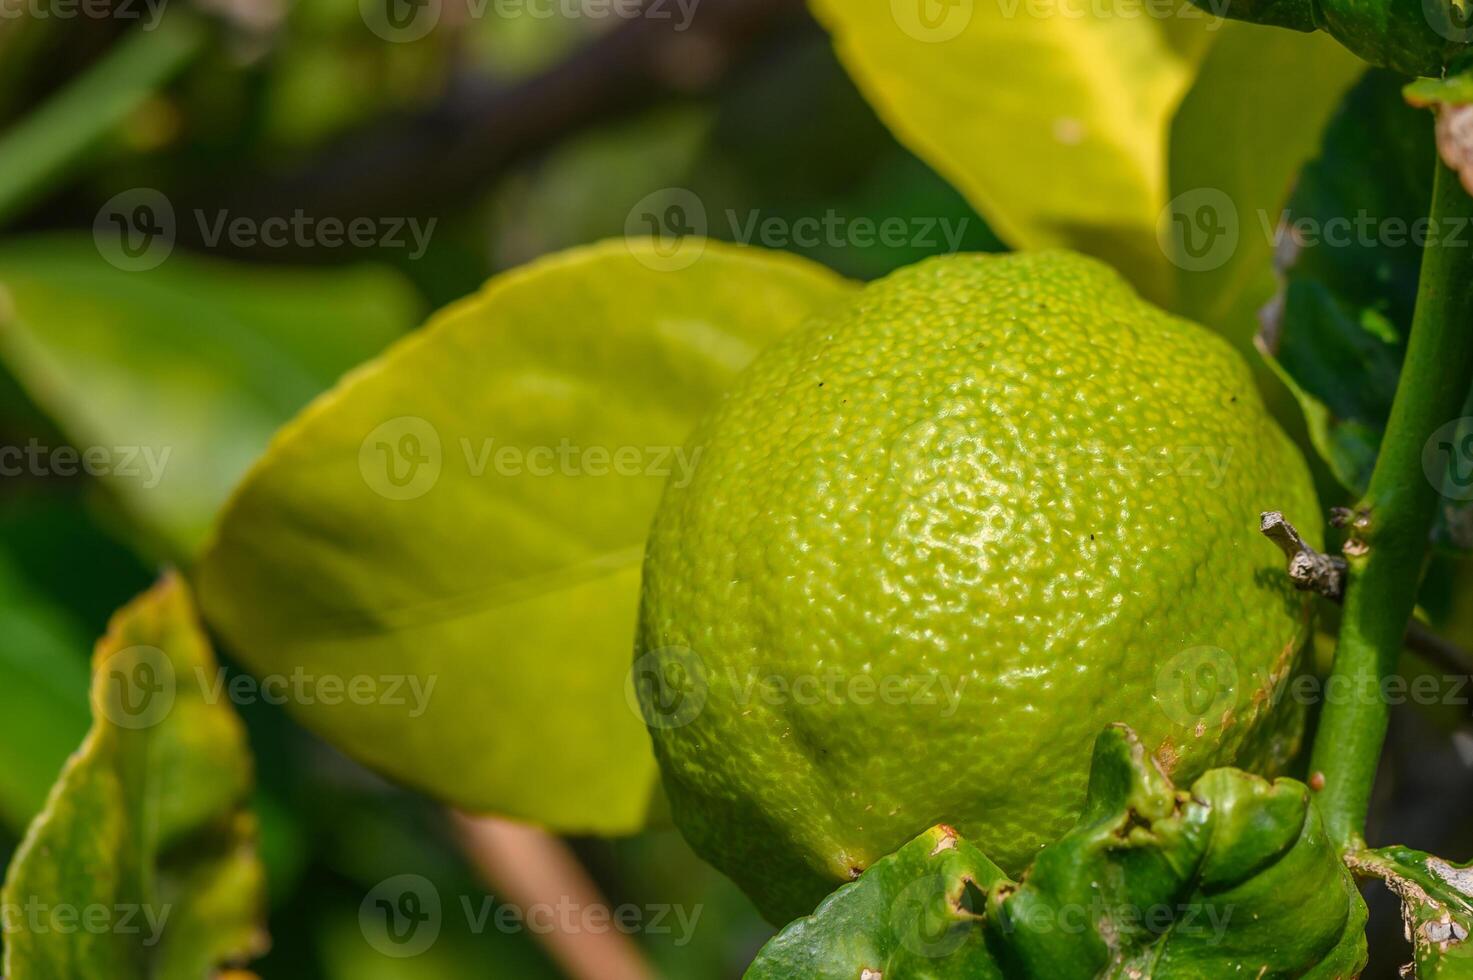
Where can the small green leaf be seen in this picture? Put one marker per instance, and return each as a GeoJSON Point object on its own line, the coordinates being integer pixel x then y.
{"type": "Point", "coordinates": [1437, 907]}
{"type": "Point", "coordinates": [143, 863]}
{"type": "Point", "coordinates": [1233, 878]}
{"type": "Point", "coordinates": [1429, 92]}
{"type": "Point", "coordinates": [915, 913]}
{"type": "Point", "coordinates": [461, 523]}
{"type": "Point", "coordinates": [1054, 127]}
{"type": "Point", "coordinates": [176, 376]}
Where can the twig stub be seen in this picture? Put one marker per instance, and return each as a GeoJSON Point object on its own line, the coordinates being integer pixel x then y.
{"type": "Point", "coordinates": [1309, 570]}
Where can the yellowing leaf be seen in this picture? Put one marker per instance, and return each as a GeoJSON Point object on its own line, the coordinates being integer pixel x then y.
{"type": "Point", "coordinates": [1051, 117]}
{"type": "Point", "coordinates": [457, 528]}
{"type": "Point", "coordinates": [143, 864]}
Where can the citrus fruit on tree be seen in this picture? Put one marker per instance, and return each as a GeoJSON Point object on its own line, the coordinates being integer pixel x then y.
{"type": "Point", "coordinates": [938, 539]}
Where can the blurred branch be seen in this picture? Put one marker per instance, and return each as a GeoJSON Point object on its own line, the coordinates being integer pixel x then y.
{"type": "Point", "coordinates": [432, 161]}
{"type": "Point", "coordinates": [40, 150]}
{"type": "Point", "coordinates": [529, 867]}
{"type": "Point", "coordinates": [1438, 649]}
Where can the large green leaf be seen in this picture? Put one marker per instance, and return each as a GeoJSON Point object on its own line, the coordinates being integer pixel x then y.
{"type": "Point", "coordinates": [464, 518]}
{"type": "Point", "coordinates": [1239, 140]}
{"type": "Point", "coordinates": [1052, 120]}
{"type": "Point", "coordinates": [175, 377]}
{"type": "Point", "coordinates": [143, 865]}
{"type": "Point", "coordinates": [1234, 878]}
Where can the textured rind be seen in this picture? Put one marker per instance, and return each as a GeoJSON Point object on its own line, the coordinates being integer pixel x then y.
{"type": "Point", "coordinates": [1014, 501]}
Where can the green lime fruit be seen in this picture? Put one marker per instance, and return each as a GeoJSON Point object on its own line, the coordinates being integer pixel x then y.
{"type": "Point", "coordinates": [940, 538]}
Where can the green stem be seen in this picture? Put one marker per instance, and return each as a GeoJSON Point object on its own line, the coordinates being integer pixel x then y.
{"type": "Point", "coordinates": [38, 151]}
{"type": "Point", "coordinates": [1394, 520]}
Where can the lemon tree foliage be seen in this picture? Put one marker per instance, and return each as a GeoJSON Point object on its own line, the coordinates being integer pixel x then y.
{"type": "Point", "coordinates": [461, 522]}
{"type": "Point", "coordinates": [143, 863]}
{"type": "Point", "coordinates": [992, 505]}
{"type": "Point", "coordinates": [1337, 330]}
{"type": "Point", "coordinates": [1053, 126]}
{"type": "Point", "coordinates": [1437, 907]}
{"type": "Point", "coordinates": [1234, 876]}
{"type": "Point", "coordinates": [177, 373]}
{"type": "Point", "coordinates": [1236, 148]}
{"type": "Point", "coordinates": [1413, 37]}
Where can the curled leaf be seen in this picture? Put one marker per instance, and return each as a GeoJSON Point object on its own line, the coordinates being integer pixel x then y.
{"type": "Point", "coordinates": [1234, 878]}
{"type": "Point", "coordinates": [1436, 905]}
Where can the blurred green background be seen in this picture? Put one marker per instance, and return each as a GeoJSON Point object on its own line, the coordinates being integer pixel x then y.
{"type": "Point", "coordinates": [769, 126]}
{"type": "Point", "coordinates": [519, 136]}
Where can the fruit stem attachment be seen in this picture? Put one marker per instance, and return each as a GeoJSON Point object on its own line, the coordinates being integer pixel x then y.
{"type": "Point", "coordinates": [1388, 547]}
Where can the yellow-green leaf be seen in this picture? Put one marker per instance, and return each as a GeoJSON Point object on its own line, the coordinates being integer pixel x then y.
{"type": "Point", "coordinates": [142, 866]}
{"type": "Point", "coordinates": [458, 527]}
{"type": "Point", "coordinates": [170, 380]}
{"type": "Point", "coordinates": [1051, 117]}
